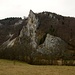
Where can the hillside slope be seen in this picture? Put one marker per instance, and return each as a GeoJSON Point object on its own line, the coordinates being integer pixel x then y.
{"type": "Point", "coordinates": [42, 38]}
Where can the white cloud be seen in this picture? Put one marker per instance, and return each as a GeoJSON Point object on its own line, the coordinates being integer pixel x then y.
{"type": "Point", "coordinates": [9, 8]}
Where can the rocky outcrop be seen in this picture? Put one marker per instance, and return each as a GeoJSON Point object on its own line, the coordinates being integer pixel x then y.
{"type": "Point", "coordinates": [52, 46]}
{"type": "Point", "coordinates": [31, 28]}
{"type": "Point", "coordinates": [9, 42]}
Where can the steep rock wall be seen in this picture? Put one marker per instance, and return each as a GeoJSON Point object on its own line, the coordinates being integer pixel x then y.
{"type": "Point", "coordinates": [52, 45]}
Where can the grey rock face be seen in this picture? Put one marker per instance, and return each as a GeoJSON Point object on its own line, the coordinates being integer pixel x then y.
{"type": "Point", "coordinates": [31, 28]}
{"type": "Point", "coordinates": [23, 32]}
{"type": "Point", "coordinates": [8, 43]}
{"type": "Point", "coordinates": [52, 45]}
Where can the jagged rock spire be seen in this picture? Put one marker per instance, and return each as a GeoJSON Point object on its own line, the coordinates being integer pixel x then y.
{"type": "Point", "coordinates": [31, 27]}
{"type": "Point", "coordinates": [31, 14]}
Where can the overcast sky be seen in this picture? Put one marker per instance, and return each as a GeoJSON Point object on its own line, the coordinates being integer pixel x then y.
{"type": "Point", "coordinates": [20, 8]}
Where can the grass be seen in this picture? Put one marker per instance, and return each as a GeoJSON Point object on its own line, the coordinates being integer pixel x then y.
{"type": "Point", "coordinates": [21, 68]}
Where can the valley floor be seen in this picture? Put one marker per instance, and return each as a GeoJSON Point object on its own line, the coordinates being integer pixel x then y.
{"type": "Point", "coordinates": [20, 68]}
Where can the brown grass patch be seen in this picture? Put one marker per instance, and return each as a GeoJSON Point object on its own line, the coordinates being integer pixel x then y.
{"type": "Point", "coordinates": [8, 68]}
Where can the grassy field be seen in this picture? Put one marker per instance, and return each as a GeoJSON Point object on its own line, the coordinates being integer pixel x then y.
{"type": "Point", "coordinates": [20, 68]}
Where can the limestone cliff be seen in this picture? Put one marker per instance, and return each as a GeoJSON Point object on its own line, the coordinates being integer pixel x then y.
{"type": "Point", "coordinates": [52, 45]}
{"type": "Point", "coordinates": [30, 29]}
{"type": "Point", "coordinates": [51, 42]}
